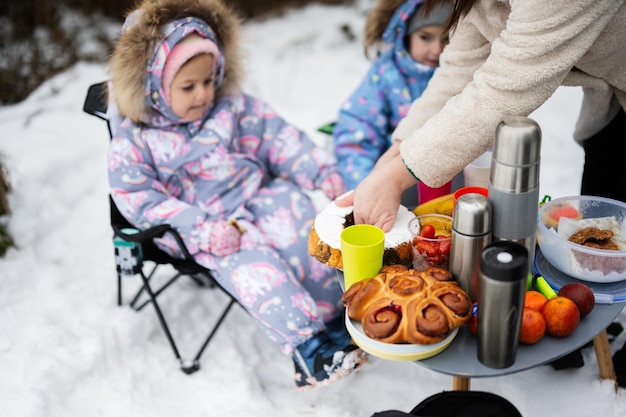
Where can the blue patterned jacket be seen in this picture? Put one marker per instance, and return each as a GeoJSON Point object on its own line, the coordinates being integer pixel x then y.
{"type": "Point", "coordinates": [369, 116]}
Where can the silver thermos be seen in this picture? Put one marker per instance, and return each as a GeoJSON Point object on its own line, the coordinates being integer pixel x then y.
{"type": "Point", "coordinates": [514, 182]}
{"type": "Point", "coordinates": [471, 232]}
{"type": "Point", "coordinates": [503, 271]}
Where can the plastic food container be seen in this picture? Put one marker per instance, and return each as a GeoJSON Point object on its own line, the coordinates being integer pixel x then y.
{"type": "Point", "coordinates": [560, 218]}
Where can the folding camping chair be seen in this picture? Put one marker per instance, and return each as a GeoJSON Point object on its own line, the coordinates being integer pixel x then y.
{"type": "Point", "coordinates": [133, 248]}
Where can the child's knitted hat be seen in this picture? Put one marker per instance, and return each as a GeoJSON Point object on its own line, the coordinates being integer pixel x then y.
{"type": "Point", "coordinates": [437, 17]}
{"type": "Point", "coordinates": [182, 52]}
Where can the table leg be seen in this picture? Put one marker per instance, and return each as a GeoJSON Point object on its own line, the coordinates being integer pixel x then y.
{"type": "Point", "coordinates": [603, 355]}
{"type": "Point", "coordinates": [460, 383]}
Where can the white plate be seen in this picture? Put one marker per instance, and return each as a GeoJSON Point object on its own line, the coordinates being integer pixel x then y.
{"type": "Point", "coordinates": [395, 351]}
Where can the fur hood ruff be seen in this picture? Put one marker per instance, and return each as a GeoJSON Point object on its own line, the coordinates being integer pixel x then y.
{"type": "Point", "coordinates": [143, 33]}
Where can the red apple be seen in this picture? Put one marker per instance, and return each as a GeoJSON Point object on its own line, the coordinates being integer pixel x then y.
{"type": "Point", "coordinates": [562, 316]}
{"type": "Point", "coordinates": [580, 294]}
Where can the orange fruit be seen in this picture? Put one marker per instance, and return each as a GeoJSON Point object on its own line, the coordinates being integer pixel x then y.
{"type": "Point", "coordinates": [534, 299]}
{"type": "Point", "coordinates": [562, 316]}
{"type": "Point", "coordinates": [533, 326]}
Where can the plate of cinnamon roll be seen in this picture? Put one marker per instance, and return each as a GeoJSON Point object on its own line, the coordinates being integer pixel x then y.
{"type": "Point", "coordinates": [405, 314]}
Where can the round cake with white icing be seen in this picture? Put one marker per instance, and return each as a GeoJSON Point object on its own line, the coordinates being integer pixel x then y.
{"type": "Point", "coordinates": [325, 241]}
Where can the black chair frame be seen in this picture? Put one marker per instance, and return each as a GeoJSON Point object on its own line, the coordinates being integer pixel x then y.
{"type": "Point", "coordinates": [133, 248]}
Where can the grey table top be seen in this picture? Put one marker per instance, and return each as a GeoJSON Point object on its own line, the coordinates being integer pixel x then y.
{"type": "Point", "coordinates": [460, 358]}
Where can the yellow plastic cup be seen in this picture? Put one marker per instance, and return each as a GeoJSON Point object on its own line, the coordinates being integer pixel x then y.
{"type": "Point", "coordinates": [362, 249]}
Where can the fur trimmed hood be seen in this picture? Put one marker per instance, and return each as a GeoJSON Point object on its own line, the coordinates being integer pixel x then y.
{"type": "Point", "coordinates": [149, 33]}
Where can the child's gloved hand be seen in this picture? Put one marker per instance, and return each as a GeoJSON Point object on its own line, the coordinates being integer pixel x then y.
{"type": "Point", "coordinates": [333, 186]}
{"type": "Point", "coordinates": [225, 238]}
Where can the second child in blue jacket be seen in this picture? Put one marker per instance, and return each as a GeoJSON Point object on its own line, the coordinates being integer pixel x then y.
{"type": "Point", "coordinates": [409, 45]}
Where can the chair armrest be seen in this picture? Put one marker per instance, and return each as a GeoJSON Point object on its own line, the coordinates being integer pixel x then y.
{"type": "Point", "coordinates": [134, 235]}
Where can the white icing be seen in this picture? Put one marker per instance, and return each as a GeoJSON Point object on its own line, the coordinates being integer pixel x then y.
{"type": "Point", "coordinates": [330, 222]}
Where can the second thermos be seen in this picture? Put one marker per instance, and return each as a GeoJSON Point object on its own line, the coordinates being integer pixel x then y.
{"type": "Point", "coordinates": [503, 271]}
{"type": "Point", "coordinates": [471, 232]}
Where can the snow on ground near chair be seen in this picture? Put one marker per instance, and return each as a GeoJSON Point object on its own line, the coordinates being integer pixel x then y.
{"type": "Point", "coordinates": [68, 350]}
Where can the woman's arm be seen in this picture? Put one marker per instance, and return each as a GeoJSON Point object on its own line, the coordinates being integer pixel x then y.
{"type": "Point", "coordinates": [530, 55]}
{"type": "Point", "coordinates": [533, 47]}
{"type": "Point", "coordinates": [392, 152]}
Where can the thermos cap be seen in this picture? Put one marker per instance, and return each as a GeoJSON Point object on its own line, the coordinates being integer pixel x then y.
{"type": "Point", "coordinates": [472, 215]}
{"type": "Point", "coordinates": [518, 142]}
{"type": "Point", "coordinates": [504, 261]}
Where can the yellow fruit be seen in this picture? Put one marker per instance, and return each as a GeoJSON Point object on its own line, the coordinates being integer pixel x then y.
{"type": "Point", "coordinates": [439, 205]}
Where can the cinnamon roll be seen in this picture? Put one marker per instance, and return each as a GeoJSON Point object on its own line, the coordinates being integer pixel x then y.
{"type": "Point", "coordinates": [401, 305]}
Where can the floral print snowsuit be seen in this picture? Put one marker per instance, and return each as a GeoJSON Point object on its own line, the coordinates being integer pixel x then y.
{"type": "Point", "coordinates": [242, 161]}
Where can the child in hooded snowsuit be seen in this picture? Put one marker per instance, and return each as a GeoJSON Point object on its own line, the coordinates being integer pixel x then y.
{"type": "Point", "coordinates": [411, 44]}
{"type": "Point", "coordinates": [228, 174]}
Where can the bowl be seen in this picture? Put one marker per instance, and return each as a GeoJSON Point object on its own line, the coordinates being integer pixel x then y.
{"type": "Point", "coordinates": [431, 246]}
{"type": "Point", "coordinates": [562, 219]}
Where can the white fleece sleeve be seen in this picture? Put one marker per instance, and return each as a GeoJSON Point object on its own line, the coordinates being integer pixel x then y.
{"type": "Point", "coordinates": [533, 48]}
{"type": "Point", "coordinates": [466, 52]}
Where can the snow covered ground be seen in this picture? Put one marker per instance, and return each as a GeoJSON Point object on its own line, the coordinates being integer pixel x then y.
{"type": "Point", "coordinates": [68, 350]}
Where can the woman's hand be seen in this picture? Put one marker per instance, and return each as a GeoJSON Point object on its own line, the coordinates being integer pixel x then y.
{"type": "Point", "coordinates": [376, 202]}
{"type": "Point", "coordinates": [377, 198]}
